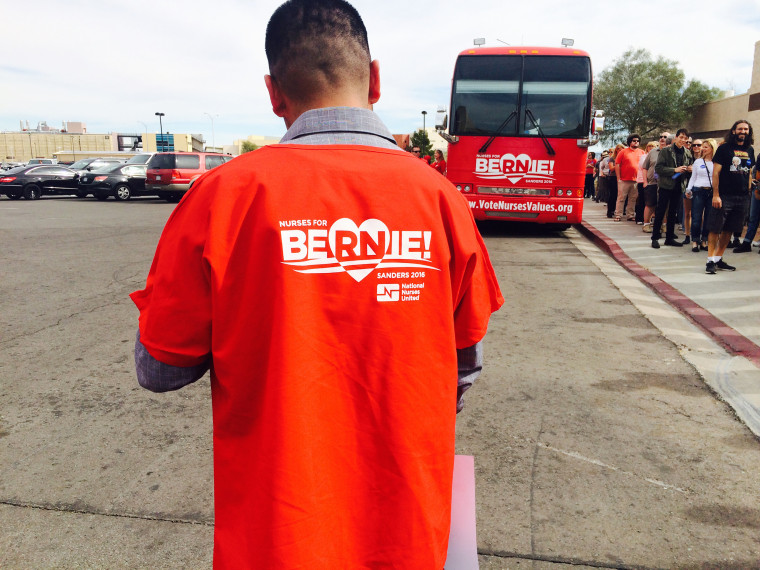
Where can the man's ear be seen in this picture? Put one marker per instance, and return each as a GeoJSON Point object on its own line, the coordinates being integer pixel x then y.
{"type": "Point", "coordinates": [374, 82]}
{"type": "Point", "coordinates": [279, 104]}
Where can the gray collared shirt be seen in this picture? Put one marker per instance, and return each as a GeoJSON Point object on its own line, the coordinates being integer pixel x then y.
{"type": "Point", "coordinates": [330, 125]}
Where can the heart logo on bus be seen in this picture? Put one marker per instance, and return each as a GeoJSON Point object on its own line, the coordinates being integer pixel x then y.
{"type": "Point", "coordinates": [359, 249]}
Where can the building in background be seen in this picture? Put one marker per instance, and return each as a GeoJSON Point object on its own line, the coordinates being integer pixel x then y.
{"type": "Point", "coordinates": [152, 142]}
{"type": "Point", "coordinates": [403, 141]}
{"type": "Point", "coordinates": [73, 140]}
{"type": "Point", "coordinates": [713, 119]}
{"type": "Point", "coordinates": [21, 146]}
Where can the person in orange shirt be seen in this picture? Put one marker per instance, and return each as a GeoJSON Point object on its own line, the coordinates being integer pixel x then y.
{"type": "Point", "coordinates": [626, 168]}
{"type": "Point", "coordinates": [340, 307]}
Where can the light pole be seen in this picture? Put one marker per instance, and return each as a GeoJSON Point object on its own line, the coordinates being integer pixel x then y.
{"type": "Point", "coordinates": [423, 119]}
{"type": "Point", "coordinates": [161, 125]}
{"type": "Point", "coordinates": [146, 133]}
{"type": "Point", "coordinates": [213, 140]}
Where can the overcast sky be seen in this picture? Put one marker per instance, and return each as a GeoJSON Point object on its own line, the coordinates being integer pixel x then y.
{"type": "Point", "coordinates": [112, 64]}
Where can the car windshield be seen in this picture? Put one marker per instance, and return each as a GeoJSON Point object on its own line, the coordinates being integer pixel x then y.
{"type": "Point", "coordinates": [139, 159]}
{"type": "Point", "coordinates": [15, 170]}
{"type": "Point", "coordinates": [110, 168]}
{"type": "Point", "coordinates": [548, 95]}
{"type": "Point", "coordinates": [81, 164]}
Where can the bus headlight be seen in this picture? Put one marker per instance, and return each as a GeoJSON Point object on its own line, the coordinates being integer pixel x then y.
{"type": "Point", "coordinates": [466, 187]}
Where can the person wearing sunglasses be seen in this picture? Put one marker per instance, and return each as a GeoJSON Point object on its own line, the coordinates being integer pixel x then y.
{"type": "Point", "coordinates": [626, 168]}
{"type": "Point", "coordinates": [699, 194]}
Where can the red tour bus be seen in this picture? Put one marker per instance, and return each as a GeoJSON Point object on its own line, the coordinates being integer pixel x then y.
{"type": "Point", "coordinates": [519, 132]}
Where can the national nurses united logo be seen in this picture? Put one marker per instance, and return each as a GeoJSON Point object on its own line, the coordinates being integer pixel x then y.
{"type": "Point", "coordinates": [354, 249]}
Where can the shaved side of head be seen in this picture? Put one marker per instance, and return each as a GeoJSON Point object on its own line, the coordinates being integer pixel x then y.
{"type": "Point", "coordinates": [317, 47]}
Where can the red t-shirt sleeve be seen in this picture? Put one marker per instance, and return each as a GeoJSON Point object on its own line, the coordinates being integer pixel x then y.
{"type": "Point", "coordinates": [476, 289]}
{"type": "Point", "coordinates": [175, 306]}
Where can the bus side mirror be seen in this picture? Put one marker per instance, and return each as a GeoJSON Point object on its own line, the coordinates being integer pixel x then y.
{"type": "Point", "coordinates": [597, 125]}
{"type": "Point", "coordinates": [441, 120]}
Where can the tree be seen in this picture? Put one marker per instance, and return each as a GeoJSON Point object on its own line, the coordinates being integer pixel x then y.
{"type": "Point", "coordinates": [247, 146]}
{"type": "Point", "coordinates": [420, 138]}
{"type": "Point", "coordinates": [642, 95]}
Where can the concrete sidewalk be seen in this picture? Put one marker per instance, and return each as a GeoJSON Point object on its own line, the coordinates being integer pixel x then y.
{"type": "Point", "coordinates": [725, 306]}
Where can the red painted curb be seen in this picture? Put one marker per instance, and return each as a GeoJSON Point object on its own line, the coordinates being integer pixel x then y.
{"type": "Point", "coordinates": [720, 332]}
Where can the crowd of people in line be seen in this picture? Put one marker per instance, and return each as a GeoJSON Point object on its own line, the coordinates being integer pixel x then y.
{"type": "Point", "coordinates": [710, 188]}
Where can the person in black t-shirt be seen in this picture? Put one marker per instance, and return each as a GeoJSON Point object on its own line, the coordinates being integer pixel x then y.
{"type": "Point", "coordinates": [731, 184]}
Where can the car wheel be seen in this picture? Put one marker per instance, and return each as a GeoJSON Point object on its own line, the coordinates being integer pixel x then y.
{"type": "Point", "coordinates": [81, 194]}
{"type": "Point", "coordinates": [173, 197]}
{"type": "Point", "coordinates": [32, 192]}
{"type": "Point", "coordinates": [14, 196]}
{"type": "Point", "coordinates": [122, 193]}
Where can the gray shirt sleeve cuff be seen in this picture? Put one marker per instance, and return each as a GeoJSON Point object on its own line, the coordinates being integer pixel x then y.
{"type": "Point", "coordinates": [469, 367]}
{"type": "Point", "coordinates": [159, 377]}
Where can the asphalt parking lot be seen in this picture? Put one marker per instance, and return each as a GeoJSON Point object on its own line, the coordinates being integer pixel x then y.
{"type": "Point", "coordinates": [586, 453]}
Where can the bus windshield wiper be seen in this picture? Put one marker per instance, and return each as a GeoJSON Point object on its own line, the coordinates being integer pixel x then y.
{"type": "Point", "coordinates": [548, 146]}
{"type": "Point", "coordinates": [502, 126]}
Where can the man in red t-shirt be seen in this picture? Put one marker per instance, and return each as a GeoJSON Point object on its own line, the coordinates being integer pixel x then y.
{"type": "Point", "coordinates": [627, 168]}
{"type": "Point", "coordinates": [334, 302]}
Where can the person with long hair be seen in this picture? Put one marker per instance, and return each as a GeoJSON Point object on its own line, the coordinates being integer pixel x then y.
{"type": "Point", "coordinates": [731, 183]}
{"type": "Point", "coordinates": [699, 194]}
{"type": "Point", "coordinates": [588, 186]}
{"type": "Point", "coordinates": [438, 162]}
{"type": "Point", "coordinates": [696, 149]}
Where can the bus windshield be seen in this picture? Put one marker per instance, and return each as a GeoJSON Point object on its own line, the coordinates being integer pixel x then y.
{"type": "Point", "coordinates": [550, 92]}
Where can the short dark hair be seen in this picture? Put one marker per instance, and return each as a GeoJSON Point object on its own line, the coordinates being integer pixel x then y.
{"type": "Point", "coordinates": [682, 131]}
{"type": "Point", "coordinates": [312, 45]}
{"type": "Point", "coordinates": [731, 137]}
{"type": "Point", "coordinates": [631, 137]}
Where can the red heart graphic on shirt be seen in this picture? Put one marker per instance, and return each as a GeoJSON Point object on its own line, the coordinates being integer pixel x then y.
{"type": "Point", "coordinates": [359, 249]}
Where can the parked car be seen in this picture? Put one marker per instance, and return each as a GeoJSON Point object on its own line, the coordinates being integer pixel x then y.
{"type": "Point", "coordinates": [141, 158]}
{"type": "Point", "coordinates": [41, 161]}
{"type": "Point", "coordinates": [34, 181]}
{"type": "Point", "coordinates": [121, 181]}
{"type": "Point", "coordinates": [91, 164]}
{"type": "Point", "coordinates": [171, 174]}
